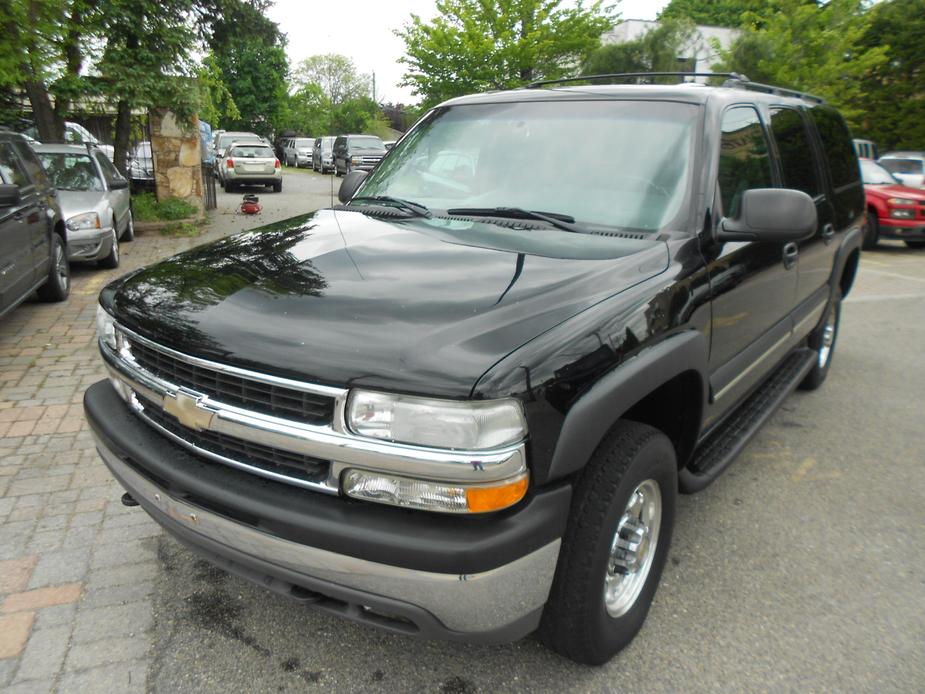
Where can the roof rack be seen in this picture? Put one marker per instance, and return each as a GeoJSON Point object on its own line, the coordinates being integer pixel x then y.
{"type": "Point", "coordinates": [733, 80]}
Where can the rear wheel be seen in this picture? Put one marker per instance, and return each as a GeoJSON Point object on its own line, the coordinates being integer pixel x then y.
{"type": "Point", "coordinates": [822, 341]}
{"type": "Point", "coordinates": [58, 284]}
{"type": "Point", "coordinates": [915, 244]}
{"type": "Point", "coordinates": [229, 186]}
{"type": "Point", "coordinates": [278, 187]}
{"type": "Point", "coordinates": [615, 545]}
{"type": "Point", "coordinates": [873, 231]}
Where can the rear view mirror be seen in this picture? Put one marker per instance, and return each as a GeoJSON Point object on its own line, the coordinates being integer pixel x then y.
{"type": "Point", "coordinates": [9, 195]}
{"type": "Point", "coordinates": [349, 185]}
{"type": "Point", "coordinates": [771, 214]}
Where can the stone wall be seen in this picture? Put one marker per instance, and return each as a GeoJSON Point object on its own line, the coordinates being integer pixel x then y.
{"type": "Point", "coordinates": [177, 168]}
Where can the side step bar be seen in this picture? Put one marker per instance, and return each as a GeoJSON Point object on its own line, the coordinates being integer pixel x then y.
{"type": "Point", "coordinates": [723, 445]}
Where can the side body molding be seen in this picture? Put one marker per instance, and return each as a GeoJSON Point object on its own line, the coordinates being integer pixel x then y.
{"type": "Point", "coordinates": [592, 416]}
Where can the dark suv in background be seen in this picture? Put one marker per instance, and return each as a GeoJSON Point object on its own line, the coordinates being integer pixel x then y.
{"type": "Point", "coordinates": [462, 404]}
{"type": "Point", "coordinates": [357, 153]}
{"type": "Point", "coordinates": [33, 246]}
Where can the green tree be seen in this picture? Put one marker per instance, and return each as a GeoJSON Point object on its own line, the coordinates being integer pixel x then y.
{"type": "Point", "coordinates": [250, 51]}
{"type": "Point", "coordinates": [475, 45]}
{"type": "Point", "coordinates": [308, 111]}
{"type": "Point", "coordinates": [214, 97]}
{"type": "Point", "coordinates": [335, 74]}
{"type": "Point", "coordinates": [893, 93]}
{"type": "Point", "coordinates": [361, 115]}
{"type": "Point", "coordinates": [817, 49]}
{"type": "Point", "coordinates": [657, 50]}
{"type": "Point", "coordinates": [720, 13]}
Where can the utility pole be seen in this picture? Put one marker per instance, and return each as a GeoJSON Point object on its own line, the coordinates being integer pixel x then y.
{"type": "Point", "coordinates": [374, 85]}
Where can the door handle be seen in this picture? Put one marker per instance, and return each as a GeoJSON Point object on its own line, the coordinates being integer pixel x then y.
{"type": "Point", "coordinates": [828, 233]}
{"type": "Point", "coordinates": [791, 252]}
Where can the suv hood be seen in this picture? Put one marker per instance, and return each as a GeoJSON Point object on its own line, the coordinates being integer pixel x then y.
{"type": "Point", "coordinates": [895, 191]}
{"type": "Point", "coordinates": [338, 297]}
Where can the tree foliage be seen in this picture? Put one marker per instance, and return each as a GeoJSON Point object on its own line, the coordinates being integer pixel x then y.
{"type": "Point", "coordinates": [720, 13]}
{"type": "Point", "coordinates": [657, 50]}
{"type": "Point", "coordinates": [814, 48]}
{"type": "Point", "coordinates": [475, 45]}
{"type": "Point", "coordinates": [894, 91]}
{"type": "Point", "coordinates": [336, 75]}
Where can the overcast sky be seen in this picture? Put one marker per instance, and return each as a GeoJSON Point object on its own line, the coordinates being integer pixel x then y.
{"type": "Point", "coordinates": [362, 30]}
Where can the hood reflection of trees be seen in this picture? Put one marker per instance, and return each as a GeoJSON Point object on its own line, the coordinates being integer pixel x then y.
{"type": "Point", "coordinates": [164, 297]}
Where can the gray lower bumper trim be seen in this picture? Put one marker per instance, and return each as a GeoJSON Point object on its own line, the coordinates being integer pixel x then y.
{"type": "Point", "coordinates": [498, 605]}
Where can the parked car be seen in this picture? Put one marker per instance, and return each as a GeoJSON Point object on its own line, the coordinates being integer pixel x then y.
{"type": "Point", "coordinates": [140, 166]}
{"type": "Point", "coordinates": [323, 154]}
{"type": "Point", "coordinates": [465, 410]}
{"type": "Point", "coordinates": [908, 167]}
{"type": "Point", "coordinates": [75, 133]}
{"type": "Point", "coordinates": [222, 141]}
{"type": "Point", "coordinates": [94, 199]}
{"type": "Point", "coordinates": [298, 151]}
{"type": "Point", "coordinates": [357, 152]}
{"type": "Point", "coordinates": [894, 210]}
{"type": "Point", "coordinates": [245, 163]}
{"type": "Point", "coordinates": [33, 245]}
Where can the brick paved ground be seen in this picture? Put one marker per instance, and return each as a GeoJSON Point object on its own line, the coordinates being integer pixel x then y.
{"type": "Point", "coordinates": [76, 567]}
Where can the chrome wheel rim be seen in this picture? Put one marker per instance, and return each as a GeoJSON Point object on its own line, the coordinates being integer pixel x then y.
{"type": "Point", "coordinates": [61, 268]}
{"type": "Point", "coordinates": [131, 223]}
{"type": "Point", "coordinates": [632, 549]}
{"type": "Point", "coordinates": [828, 339]}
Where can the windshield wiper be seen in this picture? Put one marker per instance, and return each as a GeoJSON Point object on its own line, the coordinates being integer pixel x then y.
{"type": "Point", "coordinates": [559, 221]}
{"type": "Point", "coordinates": [413, 207]}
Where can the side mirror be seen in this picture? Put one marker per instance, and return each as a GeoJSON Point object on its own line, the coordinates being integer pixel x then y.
{"type": "Point", "coordinates": [9, 195]}
{"type": "Point", "coordinates": [771, 214]}
{"type": "Point", "coordinates": [118, 184]}
{"type": "Point", "coordinates": [349, 185]}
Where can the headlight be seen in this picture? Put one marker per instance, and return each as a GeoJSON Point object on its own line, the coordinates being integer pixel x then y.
{"type": "Point", "coordinates": [900, 201]}
{"type": "Point", "coordinates": [395, 490]}
{"type": "Point", "coordinates": [106, 327]}
{"type": "Point", "coordinates": [470, 425]}
{"type": "Point", "coordinates": [356, 160]}
{"type": "Point", "coordinates": [87, 220]}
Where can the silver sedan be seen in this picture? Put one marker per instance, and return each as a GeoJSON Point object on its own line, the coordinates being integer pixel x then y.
{"type": "Point", "coordinates": [94, 199]}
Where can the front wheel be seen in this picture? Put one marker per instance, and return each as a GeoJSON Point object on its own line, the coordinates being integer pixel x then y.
{"type": "Point", "coordinates": [615, 545]}
{"type": "Point", "coordinates": [873, 232]}
{"type": "Point", "coordinates": [112, 260]}
{"type": "Point", "coordinates": [822, 342]}
{"type": "Point", "coordinates": [128, 234]}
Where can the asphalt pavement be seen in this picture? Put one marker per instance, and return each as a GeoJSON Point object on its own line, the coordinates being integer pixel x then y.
{"type": "Point", "coordinates": [802, 568]}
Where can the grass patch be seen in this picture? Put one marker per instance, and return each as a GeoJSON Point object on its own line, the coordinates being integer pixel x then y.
{"type": "Point", "coordinates": [181, 229]}
{"type": "Point", "coordinates": [147, 208]}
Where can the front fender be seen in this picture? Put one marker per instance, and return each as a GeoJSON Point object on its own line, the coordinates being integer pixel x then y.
{"type": "Point", "coordinates": [593, 415]}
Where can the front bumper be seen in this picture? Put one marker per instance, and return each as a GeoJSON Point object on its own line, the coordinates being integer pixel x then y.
{"type": "Point", "coordinates": [89, 244]}
{"type": "Point", "coordinates": [893, 228]}
{"type": "Point", "coordinates": [483, 579]}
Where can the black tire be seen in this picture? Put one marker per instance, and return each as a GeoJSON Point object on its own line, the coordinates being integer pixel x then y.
{"type": "Point", "coordinates": [914, 244]}
{"type": "Point", "coordinates": [822, 341]}
{"type": "Point", "coordinates": [873, 232]}
{"type": "Point", "coordinates": [58, 285]}
{"type": "Point", "coordinates": [229, 187]}
{"type": "Point", "coordinates": [576, 622]}
{"type": "Point", "coordinates": [278, 187]}
{"type": "Point", "coordinates": [111, 261]}
{"type": "Point", "coordinates": [128, 234]}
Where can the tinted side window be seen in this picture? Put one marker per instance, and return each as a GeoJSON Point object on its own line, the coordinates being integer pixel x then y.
{"type": "Point", "coordinates": [10, 168]}
{"type": "Point", "coordinates": [31, 162]}
{"type": "Point", "coordinates": [798, 164]}
{"type": "Point", "coordinates": [838, 147]}
{"type": "Point", "coordinates": [744, 162]}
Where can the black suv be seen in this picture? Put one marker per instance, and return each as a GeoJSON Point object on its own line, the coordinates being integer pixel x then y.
{"type": "Point", "coordinates": [462, 404]}
{"type": "Point", "coordinates": [33, 244]}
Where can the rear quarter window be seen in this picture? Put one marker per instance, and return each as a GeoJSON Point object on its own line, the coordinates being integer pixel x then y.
{"type": "Point", "coordinates": [842, 163]}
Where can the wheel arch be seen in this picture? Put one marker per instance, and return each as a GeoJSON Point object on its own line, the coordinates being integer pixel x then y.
{"type": "Point", "coordinates": [664, 386]}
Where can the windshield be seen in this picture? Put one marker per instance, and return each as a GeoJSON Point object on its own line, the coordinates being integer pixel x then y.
{"type": "Point", "coordinates": [71, 171]}
{"type": "Point", "coordinates": [622, 164]}
{"type": "Point", "coordinates": [902, 166]}
{"type": "Point", "coordinates": [365, 143]}
{"type": "Point", "coordinates": [252, 152]}
{"type": "Point", "coordinates": [303, 142]}
{"type": "Point", "coordinates": [874, 174]}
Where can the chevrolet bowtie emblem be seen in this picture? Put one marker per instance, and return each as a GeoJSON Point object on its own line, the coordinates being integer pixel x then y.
{"type": "Point", "coordinates": [186, 408]}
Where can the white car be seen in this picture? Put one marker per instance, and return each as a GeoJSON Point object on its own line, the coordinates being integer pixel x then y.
{"type": "Point", "coordinates": [250, 163]}
{"type": "Point", "coordinates": [75, 133]}
{"type": "Point", "coordinates": [297, 151]}
{"type": "Point", "coordinates": [908, 167]}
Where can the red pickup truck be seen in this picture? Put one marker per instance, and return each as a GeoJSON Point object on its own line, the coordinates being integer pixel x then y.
{"type": "Point", "coordinates": [894, 211]}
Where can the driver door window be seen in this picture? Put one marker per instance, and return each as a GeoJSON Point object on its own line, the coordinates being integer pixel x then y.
{"type": "Point", "coordinates": [744, 161]}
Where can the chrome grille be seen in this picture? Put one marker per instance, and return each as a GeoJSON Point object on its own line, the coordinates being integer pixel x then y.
{"type": "Point", "coordinates": [274, 400]}
{"type": "Point", "coordinates": [275, 460]}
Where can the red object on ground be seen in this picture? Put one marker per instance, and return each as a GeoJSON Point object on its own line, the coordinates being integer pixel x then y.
{"type": "Point", "coordinates": [251, 205]}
